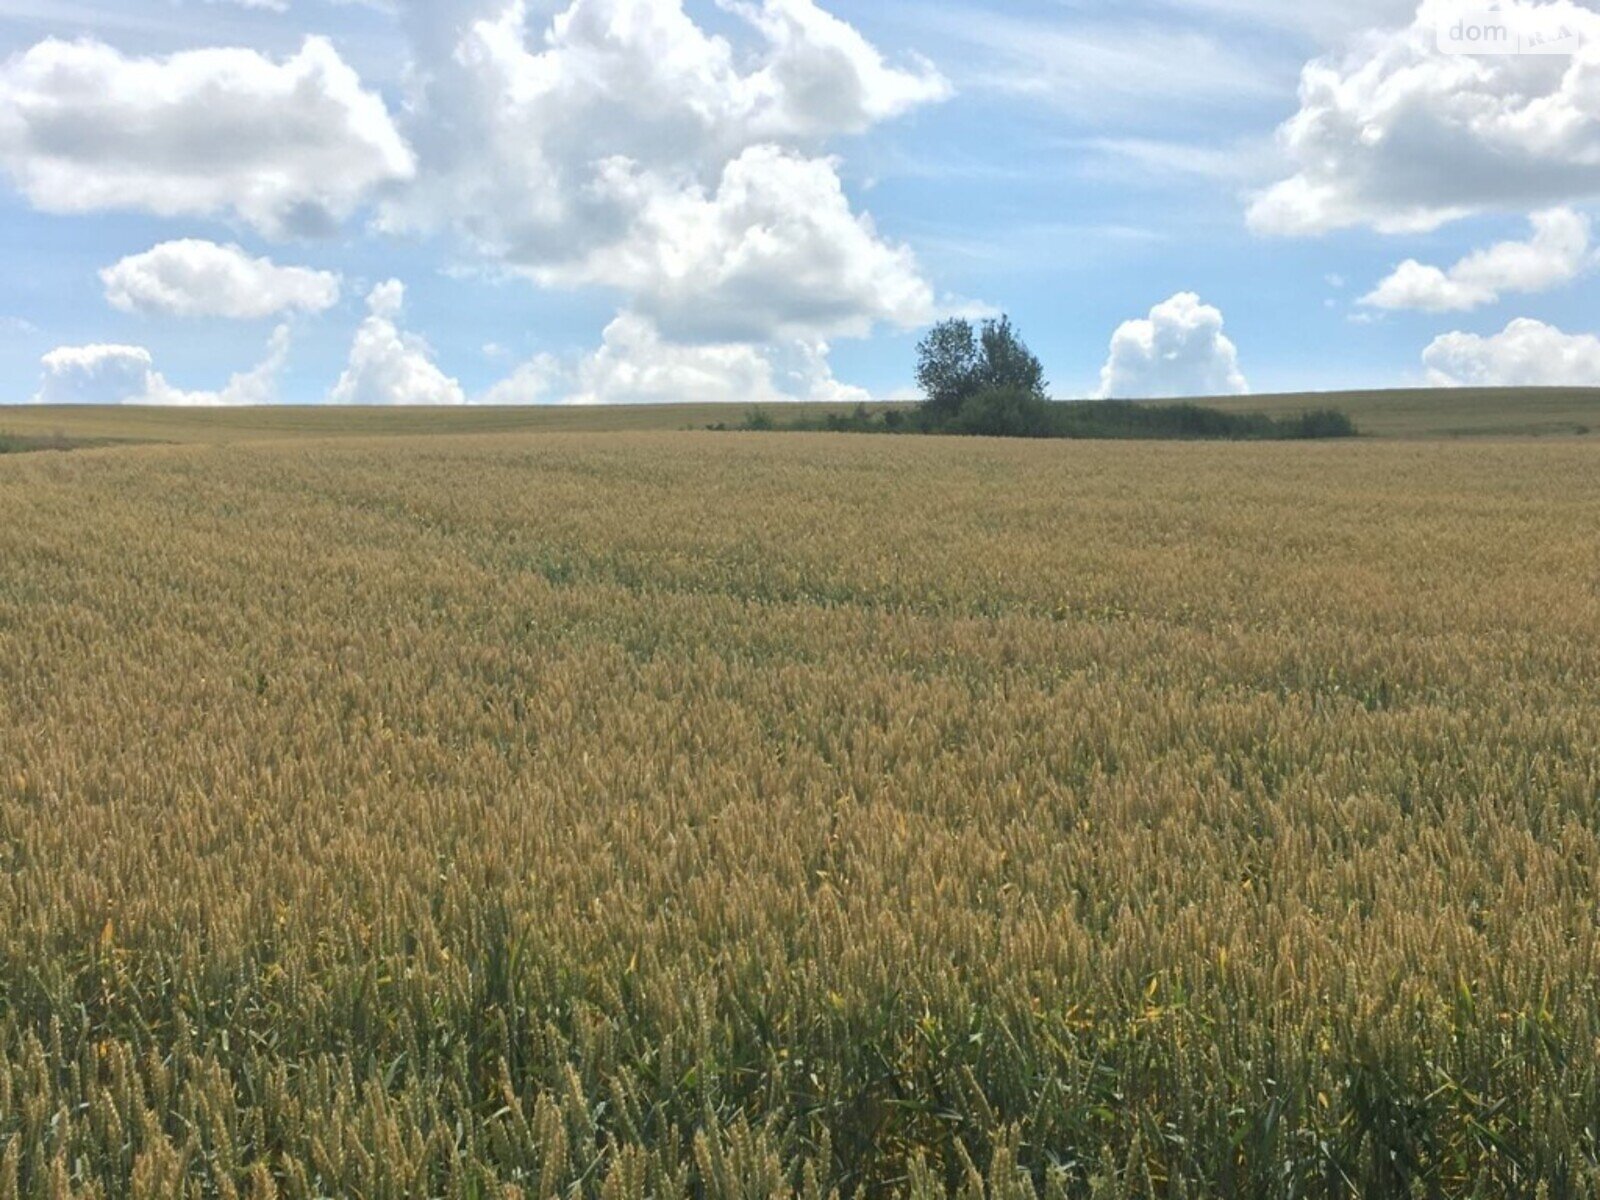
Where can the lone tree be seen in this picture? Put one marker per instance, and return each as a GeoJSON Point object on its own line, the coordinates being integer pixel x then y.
{"type": "Point", "coordinates": [956, 362]}
{"type": "Point", "coordinates": [947, 367]}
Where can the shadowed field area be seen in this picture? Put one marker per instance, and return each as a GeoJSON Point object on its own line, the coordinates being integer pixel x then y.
{"type": "Point", "coordinates": [1448, 413]}
{"type": "Point", "coordinates": [724, 815]}
{"type": "Point", "coordinates": [28, 443]}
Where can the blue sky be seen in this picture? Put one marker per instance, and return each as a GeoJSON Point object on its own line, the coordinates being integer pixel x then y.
{"type": "Point", "coordinates": [435, 201]}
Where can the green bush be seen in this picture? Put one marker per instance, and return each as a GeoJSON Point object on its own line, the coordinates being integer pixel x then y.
{"type": "Point", "coordinates": [1193, 422]}
{"type": "Point", "coordinates": [1015, 412]}
{"type": "Point", "coordinates": [1011, 412]}
{"type": "Point", "coordinates": [1006, 412]}
{"type": "Point", "coordinates": [1324, 423]}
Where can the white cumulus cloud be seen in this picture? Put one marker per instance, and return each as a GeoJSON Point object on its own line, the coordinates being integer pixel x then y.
{"type": "Point", "coordinates": [1428, 289]}
{"type": "Point", "coordinates": [623, 145]}
{"type": "Point", "coordinates": [390, 366]}
{"type": "Point", "coordinates": [774, 252]}
{"type": "Point", "coordinates": [98, 375]}
{"type": "Point", "coordinates": [1178, 350]}
{"type": "Point", "coordinates": [635, 365]}
{"type": "Point", "coordinates": [291, 148]}
{"type": "Point", "coordinates": [111, 374]}
{"type": "Point", "coordinates": [387, 300]}
{"type": "Point", "coordinates": [193, 278]}
{"type": "Point", "coordinates": [821, 77]}
{"type": "Point", "coordinates": [1401, 137]}
{"type": "Point", "coordinates": [1556, 253]}
{"type": "Point", "coordinates": [533, 382]}
{"type": "Point", "coordinates": [1526, 353]}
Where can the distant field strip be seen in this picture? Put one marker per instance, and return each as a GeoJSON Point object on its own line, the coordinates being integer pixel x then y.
{"type": "Point", "coordinates": [654, 814]}
{"type": "Point", "coordinates": [1422, 413]}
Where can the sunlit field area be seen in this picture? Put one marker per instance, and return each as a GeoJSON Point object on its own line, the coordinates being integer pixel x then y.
{"type": "Point", "coordinates": [625, 814]}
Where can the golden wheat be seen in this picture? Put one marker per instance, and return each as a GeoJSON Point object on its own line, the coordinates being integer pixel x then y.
{"type": "Point", "coordinates": [728, 816]}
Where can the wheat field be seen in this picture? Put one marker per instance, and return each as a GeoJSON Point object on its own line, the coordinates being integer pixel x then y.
{"type": "Point", "coordinates": [654, 814]}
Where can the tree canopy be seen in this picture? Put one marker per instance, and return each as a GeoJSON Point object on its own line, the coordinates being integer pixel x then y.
{"type": "Point", "coordinates": [956, 362]}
